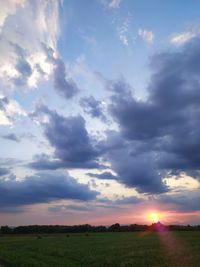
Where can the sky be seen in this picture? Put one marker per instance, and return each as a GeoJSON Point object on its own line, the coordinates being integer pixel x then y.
{"type": "Point", "coordinates": [99, 111]}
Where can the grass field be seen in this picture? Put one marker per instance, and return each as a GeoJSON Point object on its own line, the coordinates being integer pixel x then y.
{"type": "Point", "coordinates": [102, 249]}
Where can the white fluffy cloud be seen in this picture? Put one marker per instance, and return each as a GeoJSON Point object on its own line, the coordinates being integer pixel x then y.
{"type": "Point", "coordinates": [25, 26]}
{"type": "Point", "coordinates": [147, 36]}
{"type": "Point", "coordinates": [9, 110]}
{"type": "Point", "coordinates": [8, 7]}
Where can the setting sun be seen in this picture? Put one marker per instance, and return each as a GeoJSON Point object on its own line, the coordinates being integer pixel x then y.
{"type": "Point", "coordinates": [154, 217]}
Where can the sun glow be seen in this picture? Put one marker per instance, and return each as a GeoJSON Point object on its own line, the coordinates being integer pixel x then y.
{"type": "Point", "coordinates": [155, 217]}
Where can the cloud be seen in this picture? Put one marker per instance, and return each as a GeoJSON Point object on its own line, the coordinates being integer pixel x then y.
{"type": "Point", "coordinates": [28, 136]}
{"type": "Point", "coordinates": [45, 162]}
{"type": "Point", "coordinates": [186, 36]}
{"type": "Point", "coordinates": [73, 147]}
{"type": "Point", "coordinates": [22, 67]}
{"type": "Point", "coordinates": [4, 171]}
{"type": "Point", "coordinates": [8, 8]}
{"type": "Point", "coordinates": [71, 207]}
{"type": "Point", "coordinates": [24, 26]}
{"type": "Point", "coordinates": [103, 175]}
{"type": "Point", "coordinates": [65, 87]}
{"type": "Point", "coordinates": [121, 201]}
{"type": "Point", "coordinates": [135, 170]}
{"type": "Point", "coordinates": [3, 102]}
{"type": "Point", "coordinates": [111, 4]}
{"type": "Point", "coordinates": [99, 203]}
{"type": "Point", "coordinates": [159, 136]}
{"type": "Point", "coordinates": [18, 138]}
{"type": "Point", "coordinates": [182, 38]}
{"type": "Point", "coordinates": [128, 200]}
{"type": "Point", "coordinates": [10, 110]}
{"type": "Point", "coordinates": [114, 3]}
{"type": "Point", "coordinates": [147, 36]}
{"type": "Point", "coordinates": [182, 201]}
{"type": "Point", "coordinates": [93, 107]}
{"type": "Point", "coordinates": [42, 188]}
{"type": "Point", "coordinates": [123, 31]}
{"type": "Point", "coordinates": [9, 162]}
{"type": "Point", "coordinates": [12, 137]}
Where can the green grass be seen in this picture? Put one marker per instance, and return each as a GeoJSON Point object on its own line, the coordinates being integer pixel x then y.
{"type": "Point", "coordinates": [102, 250]}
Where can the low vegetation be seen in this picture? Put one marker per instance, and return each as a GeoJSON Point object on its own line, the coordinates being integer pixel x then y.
{"type": "Point", "coordinates": [117, 249]}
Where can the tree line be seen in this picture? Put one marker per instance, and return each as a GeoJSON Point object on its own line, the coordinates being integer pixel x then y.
{"type": "Point", "coordinates": [86, 228]}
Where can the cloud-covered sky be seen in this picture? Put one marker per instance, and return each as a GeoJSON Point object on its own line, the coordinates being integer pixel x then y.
{"type": "Point", "coordinates": [99, 111]}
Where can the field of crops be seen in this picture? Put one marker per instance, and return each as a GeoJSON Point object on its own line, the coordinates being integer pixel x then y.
{"type": "Point", "coordinates": [102, 249]}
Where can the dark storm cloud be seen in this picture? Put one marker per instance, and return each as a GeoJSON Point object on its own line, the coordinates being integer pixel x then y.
{"type": "Point", "coordinates": [44, 162]}
{"type": "Point", "coordinates": [157, 137]}
{"type": "Point", "coordinates": [70, 139]}
{"type": "Point", "coordinates": [65, 87]}
{"type": "Point", "coordinates": [134, 165]}
{"type": "Point", "coordinates": [173, 97]}
{"type": "Point", "coordinates": [160, 135]}
{"type": "Point", "coordinates": [104, 175]}
{"type": "Point", "coordinates": [42, 188]}
{"type": "Point", "coordinates": [12, 137]}
{"type": "Point", "coordinates": [73, 146]}
{"type": "Point", "coordinates": [93, 107]}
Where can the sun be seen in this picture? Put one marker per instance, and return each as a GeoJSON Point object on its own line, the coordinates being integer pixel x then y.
{"type": "Point", "coordinates": [154, 217]}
